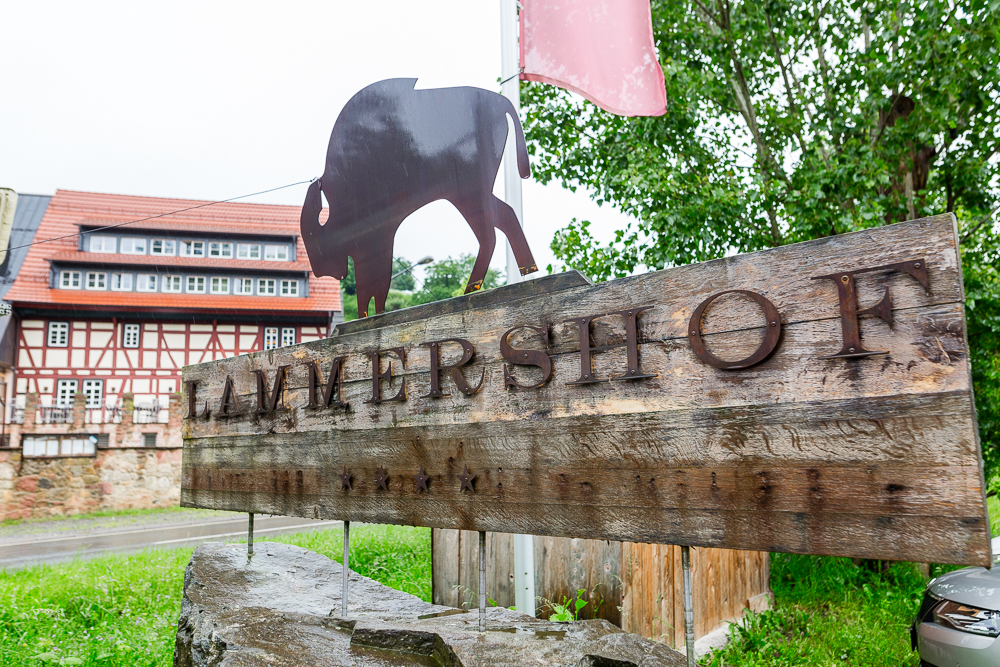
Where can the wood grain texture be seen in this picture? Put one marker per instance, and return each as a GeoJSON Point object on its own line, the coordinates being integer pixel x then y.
{"type": "Point", "coordinates": [876, 457]}
{"type": "Point", "coordinates": [563, 566]}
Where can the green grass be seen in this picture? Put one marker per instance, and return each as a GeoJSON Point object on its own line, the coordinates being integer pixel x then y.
{"type": "Point", "coordinates": [122, 610]}
{"type": "Point", "coordinates": [831, 611]}
{"type": "Point", "coordinates": [102, 514]}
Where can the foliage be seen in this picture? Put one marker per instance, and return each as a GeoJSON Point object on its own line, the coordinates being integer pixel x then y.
{"type": "Point", "coordinates": [981, 268]}
{"type": "Point", "coordinates": [830, 611]}
{"type": "Point", "coordinates": [569, 610]}
{"type": "Point", "coordinates": [448, 277]}
{"type": "Point", "coordinates": [404, 281]}
{"type": "Point", "coordinates": [789, 120]}
{"type": "Point", "coordinates": [122, 610]}
{"type": "Point", "coordinates": [444, 279]}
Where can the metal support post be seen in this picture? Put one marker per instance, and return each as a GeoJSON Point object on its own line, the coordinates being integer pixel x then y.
{"type": "Point", "coordinates": [482, 581]}
{"type": "Point", "coordinates": [688, 606]}
{"type": "Point", "coordinates": [524, 545]}
{"type": "Point", "coordinates": [346, 571]}
{"type": "Point", "coordinates": [250, 536]}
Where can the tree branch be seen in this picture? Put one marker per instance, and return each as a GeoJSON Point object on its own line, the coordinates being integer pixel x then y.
{"type": "Point", "coordinates": [792, 107]}
{"type": "Point", "coordinates": [975, 228]}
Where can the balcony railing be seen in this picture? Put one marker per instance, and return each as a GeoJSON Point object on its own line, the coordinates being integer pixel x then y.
{"type": "Point", "coordinates": [149, 414]}
{"type": "Point", "coordinates": [16, 415]}
{"type": "Point", "coordinates": [104, 415]}
{"type": "Point", "coordinates": [56, 415]}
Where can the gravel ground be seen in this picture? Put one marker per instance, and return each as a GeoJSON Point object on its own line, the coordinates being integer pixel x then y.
{"type": "Point", "coordinates": [69, 526]}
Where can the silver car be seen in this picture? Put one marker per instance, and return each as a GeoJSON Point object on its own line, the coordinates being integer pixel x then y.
{"type": "Point", "coordinates": [959, 619]}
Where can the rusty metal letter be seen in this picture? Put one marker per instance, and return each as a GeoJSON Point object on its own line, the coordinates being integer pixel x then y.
{"type": "Point", "coordinates": [193, 401]}
{"type": "Point", "coordinates": [192, 387]}
{"type": "Point", "coordinates": [377, 377]}
{"type": "Point", "coordinates": [468, 351]}
{"type": "Point", "coordinates": [266, 403]}
{"type": "Point", "coordinates": [333, 381]}
{"type": "Point", "coordinates": [229, 406]}
{"type": "Point", "coordinates": [848, 297]}
{"type": "Point", "coordinates": [525, 357]}
{"type": "Point", "coordinates": [633, 372]}
{"type": "Point", "coordinates": [772, 332]}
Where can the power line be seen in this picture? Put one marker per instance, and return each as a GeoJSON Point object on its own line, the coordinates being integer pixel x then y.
{"type": "Point", "coordinates": [154, 217]}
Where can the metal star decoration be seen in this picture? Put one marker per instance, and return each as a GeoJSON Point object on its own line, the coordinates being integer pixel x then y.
{"type": "Point", "coordinates": [421, 479]}
{"type": "Point", "coordinates": [345, 480]}
{"type": "Point", "coordinates": [467, 481]}
{"type": "Point", "coordinates": [382, 479]}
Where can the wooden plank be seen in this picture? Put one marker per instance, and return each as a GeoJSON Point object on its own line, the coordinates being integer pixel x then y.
{"type": "Point", "coordinates": [874, 457]}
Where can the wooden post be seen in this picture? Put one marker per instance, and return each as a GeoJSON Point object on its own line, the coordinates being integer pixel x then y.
{"type": "Point", "coordinates": [347, 550]}
{"type": "Point", "coordinates": [482, 581]}
{"type": "Point", "coordinates": [250, 536]}
{"type": "Point", "coordinates": [688, 606]}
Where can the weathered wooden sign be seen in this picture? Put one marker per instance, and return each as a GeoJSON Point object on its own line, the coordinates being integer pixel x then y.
{"type": "Point", "coordinates": [812, 398]}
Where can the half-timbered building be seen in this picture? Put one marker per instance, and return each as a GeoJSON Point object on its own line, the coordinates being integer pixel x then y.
{"type": "Point", "coordinates": [118, 293]}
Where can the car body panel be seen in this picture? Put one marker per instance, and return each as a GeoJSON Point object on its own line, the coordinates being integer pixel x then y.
{"type": "Point", "coordinates": [972, 585]}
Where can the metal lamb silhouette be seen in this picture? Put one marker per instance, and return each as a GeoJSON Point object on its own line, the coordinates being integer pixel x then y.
{"type": "Point", "coordinates": [395, 149]}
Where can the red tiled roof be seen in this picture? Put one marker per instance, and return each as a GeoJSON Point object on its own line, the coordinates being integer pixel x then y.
{"type": "Point", "coordinates": [196, 263]}
{"type": "Point", "coordinates": [180, 224]}
{"type": "Point", "coordinates": [68, 209]}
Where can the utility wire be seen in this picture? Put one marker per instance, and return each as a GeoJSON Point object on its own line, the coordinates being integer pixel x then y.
{"type": "Point", "coordinates": [154, 217]}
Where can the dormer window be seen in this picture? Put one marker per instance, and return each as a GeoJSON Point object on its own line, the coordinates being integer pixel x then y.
{"type": "Point", "coordinates": [219, 249]}
{"type": "Point", "coordinates": [69, 279]}
{"type": "Point", "coordinates": [192, 248]}
{"type": "Point", "coordinates": [276, 253]}
{"type": "Point", "coordinates": [132, 245]}
{"type": "Point", "coordinates": [248, 251]}
{"type": "Point", "coordinates": [166, 247]}
{"type": "Point", "coordinates": [101, 243]}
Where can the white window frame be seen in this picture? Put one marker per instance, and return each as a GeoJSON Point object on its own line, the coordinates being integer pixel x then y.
{"type": "Point", "coordinates": [146, 282]}
{"type": "Point", "coordinates": [130, 242]}
{"type": "Point", "coordinates": [121, 282]}
{"type": "Point", "coordinates": [95, 399]}
{"type": "Point", "coordinates": [240, 283]}
{"type": "Point", "coordinates": [277, 249]}
{"type": "Point", "coordinates": [287, 336]}
{"type": "Point", "coordinates": [190, 248]}
{"type": "Point", "coordinates": [270, 338]}
{"type": "Point", "coordinates": [67, 278]}
{"type": "Point", "coordinates": [102, 243]}
{"type": "Point", "coordinates": [168, 247]}
{"type": "Point", "coordinates": [220, 249]}
{"type": "Point", "coordinates": [194, 281]}
{"type": "Point", "coordinates": [58, 334]}
{"type": "Point", "coordinates": [131, 334]}
{"type": "Point", "coordinates": [99, 280]}
{"type": "Point", "coordinates": [173, 284]}
{"type": "Point", "coordinates": [267, 287]}
{"type": "Point", "coordinates": [219, 285]}
{"type": "Point", "coordinates": [248, 251]}
{"type": "Point", "coordinates": [289, 287]}
{"type": "Point", "coordinates": [64, 398]}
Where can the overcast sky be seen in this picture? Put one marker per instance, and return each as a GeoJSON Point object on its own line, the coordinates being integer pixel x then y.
{"type": "Point", "coordinates": [210, 100]}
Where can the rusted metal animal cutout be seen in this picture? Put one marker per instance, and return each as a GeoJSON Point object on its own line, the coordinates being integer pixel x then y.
{"type": "Point", "coordinates": [395, 149]}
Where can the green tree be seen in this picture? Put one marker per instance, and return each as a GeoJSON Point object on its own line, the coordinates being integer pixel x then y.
{"type": "Point", "coordinates": [448, 277]}
{"type": "Point", "coordinates": [789, 120]}
{"type": "Point", "coordinates": [404, 281]}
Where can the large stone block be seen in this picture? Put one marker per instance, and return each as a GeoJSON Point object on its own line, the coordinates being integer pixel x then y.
{"type": "Point", "coordinates": [282, 607]}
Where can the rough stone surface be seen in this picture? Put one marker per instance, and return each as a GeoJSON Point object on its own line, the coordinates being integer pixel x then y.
{"type": "Point", "coordinates": [282, 607]}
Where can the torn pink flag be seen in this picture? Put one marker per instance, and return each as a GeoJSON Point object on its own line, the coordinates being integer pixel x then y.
{"type": "Point", "coordinates": [601, 49]}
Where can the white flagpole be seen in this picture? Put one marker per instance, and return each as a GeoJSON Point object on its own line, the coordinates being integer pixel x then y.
{"type": "Point", "coordinates": [524, 545]}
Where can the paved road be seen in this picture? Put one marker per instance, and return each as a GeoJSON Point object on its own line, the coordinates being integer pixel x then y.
{"type": "Point", "coordinates": [52, 547]}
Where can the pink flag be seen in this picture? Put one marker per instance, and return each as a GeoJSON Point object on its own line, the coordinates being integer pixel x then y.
{"type": "Point", "coordinates": [601, 49]}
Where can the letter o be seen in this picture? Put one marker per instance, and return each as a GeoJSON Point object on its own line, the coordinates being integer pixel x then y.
{"type": "Point", "coordinates": [772, 332]}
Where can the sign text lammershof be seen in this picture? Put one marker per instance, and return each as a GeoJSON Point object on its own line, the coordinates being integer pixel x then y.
{"type": "Point", "coordinates": [813, 398]}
